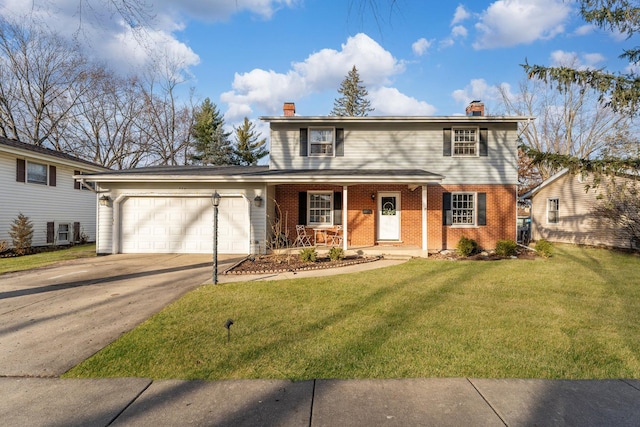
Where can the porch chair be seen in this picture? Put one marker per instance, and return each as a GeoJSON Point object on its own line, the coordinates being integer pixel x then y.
{"type": "Point", "coordinates": [335, 239]}
{"type": "Point", "coordinates": [303, 239]}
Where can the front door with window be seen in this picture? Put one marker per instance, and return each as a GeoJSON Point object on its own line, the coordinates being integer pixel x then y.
{"type": "Point", "coordinates": [389, 216]}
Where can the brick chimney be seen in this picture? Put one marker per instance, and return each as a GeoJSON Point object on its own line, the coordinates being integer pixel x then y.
{"type": "Point", "coordinates": [475, 108]}
{"type": "Point", "coordinates": [289, 109]}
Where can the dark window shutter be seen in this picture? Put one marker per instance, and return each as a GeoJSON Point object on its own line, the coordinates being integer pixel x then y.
{"type": "Point", "coordinates": [446, 209]}
{"type": "Point", "coordinates": [52, 176]}
{"type": "Point", "coordinates": [21, 170]}
{"type": "Point", "coordinates": [339, 142]}
{"type": "Point", "coordinates": [446, 142]}
{"type": "Point", "coordinates": [76, 231]}
{"type": "Point", "coordinates": [50, 232]}
{"type": "Point", "coordinates": [302, 208]}
{"type": "Point", "coordinates": [337, 208]}
{"type": "Point", "coordinates": [76, 184]}
{"type": "Point", "coordinates": [303, 142]}
{"type": "Point", "coordinates": [482, 208]}
{"type": "Point", "coordinates": [484, 143]}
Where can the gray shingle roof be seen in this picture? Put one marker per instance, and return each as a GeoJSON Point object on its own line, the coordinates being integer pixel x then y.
{"type": "Point", "coordinates": [45, 151]}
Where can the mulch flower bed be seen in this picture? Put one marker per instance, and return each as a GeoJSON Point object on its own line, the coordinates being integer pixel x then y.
{"type": "Point", "coordinates": [284, 263]}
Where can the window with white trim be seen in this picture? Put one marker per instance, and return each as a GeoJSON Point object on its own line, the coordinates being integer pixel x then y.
{"type": "Point", "coordinates": [320, 207]}
{"type": "Point", "coordinates": [64, 233]}
{"type": "Point", "coordinates": [553, 211]}
{"type": "Point", "coordinates": [463, 208]}
{"type": "Point", "coordinates": [321, 142]}
{"type": "Point", "coordinates": [36, 173]}
{"type": "Point", "coordinates": [465, 142]}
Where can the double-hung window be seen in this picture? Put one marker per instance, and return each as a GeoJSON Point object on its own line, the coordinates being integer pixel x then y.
{"type": "Point", "coordinates": [463, 209]}
{"type": "Point", "coordinates": [321, 142]}
{"type": "Point", "coordinates": [36, 173]}
{"type": "Point", "coordinates": [320, 205]}
{"type": "Point", "coordinates": [553, 211]}
{"type": "Point", "coordinates": [465, 141]}
{"type": "Point", "coordinates": [63, 233]}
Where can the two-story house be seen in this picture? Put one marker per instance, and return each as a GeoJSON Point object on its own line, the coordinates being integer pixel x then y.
{"type": "Point", "coordinates": [38, 182]}
{"type": "Point", "coordinates": [416, 182]}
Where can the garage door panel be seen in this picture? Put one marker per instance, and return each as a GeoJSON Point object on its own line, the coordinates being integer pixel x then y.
{"type": "Point", "coordinates": [183, 225]}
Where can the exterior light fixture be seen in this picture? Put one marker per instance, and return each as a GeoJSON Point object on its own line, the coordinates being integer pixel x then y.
{"type": "Point", "coordinates": [373, 196]}
{"type": "Point", "coordinates": [215, 201]}
{"type": "Point", "coordinates": [104, 200]}
{"type": "Point", "coordinates": [257, 201]}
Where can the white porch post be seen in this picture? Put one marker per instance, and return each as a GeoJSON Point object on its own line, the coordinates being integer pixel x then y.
{"type": "Point", "coordinates": [424, 218]}
{"type": "Point", "coordinates": [344, 217]}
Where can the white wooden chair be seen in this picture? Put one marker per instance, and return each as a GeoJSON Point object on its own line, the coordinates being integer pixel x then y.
{"type": "Point", "coordinates": [302, 239]}
{"type": "Point", "coordinates": [335, 239]}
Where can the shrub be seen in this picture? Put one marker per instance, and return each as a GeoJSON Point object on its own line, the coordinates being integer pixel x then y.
{"type": "Point", "coordinates": [544, 248]}
{"type": "Point", "coordinates": [336, 253]}
{"type": "Point", "coordinates": [466, 247]}
{"type": "Point", "coordinates": [21, 233]}
{"type": "Point", "coordinates": [308, 255]}
{"type": "Point", "coordinates": [3, 246]}
{"type": "Point", "coordinates": [506, 248]}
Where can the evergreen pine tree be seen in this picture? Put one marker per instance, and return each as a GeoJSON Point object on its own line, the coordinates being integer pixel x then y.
{"type": "Point", "coordinates": [249, 150]}
{"type": "Point", "coordinates": [212, 144]}
{"type": "Point", "coordinates": [21, 233]}
{"type": "Point", "coordinates": [354, 100]}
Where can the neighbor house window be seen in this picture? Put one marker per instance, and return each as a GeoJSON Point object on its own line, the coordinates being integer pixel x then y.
{"type": "Point", "coordinates": [321, 141]}
{"type": "Point", "coordinates": [36, 173]}
{"type": "Point", "coordinates": [463, 208]}
{"type": "Point", "coordinates": [465, 142]}
{"type": "Point", "coordinates": [320, 208]}
{"type": "Point", "coordinates": [63, 233]}
{"type": "Point", "coordinates": [553, 211]}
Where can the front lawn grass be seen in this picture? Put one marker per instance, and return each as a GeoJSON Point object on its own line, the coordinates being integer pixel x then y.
{"type": "Point", "coordinates": [574, 316]}
{"type": "Point", "coordinates": [42, 259]}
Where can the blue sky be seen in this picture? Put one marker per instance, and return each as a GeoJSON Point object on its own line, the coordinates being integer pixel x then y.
{"type": "Point", "coordinates": [415, 57]}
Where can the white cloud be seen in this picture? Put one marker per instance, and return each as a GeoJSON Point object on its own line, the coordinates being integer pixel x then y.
{"type": "Point", "coordinates": [459, 31]}
{"type": "Point", "coordinates": [512, 22]}
{"type": "Point", "coordinates": [321, 71]}
{"type": "Point", "coordinates": [592, 59]}
{"type": "Point", "coordinates": [561, 58]}
{"type": "Point", "coordinates": [421, 46]}
{"type": "Point", "coordinates": [476, 89]}
{"type": "Point", "coordinates": [460, 15]}
{"type": "Point", "coordinates": [445, 43]}
{"type": "Point", "coordinates": [584, 30]}
{"type": "Point", "coordinates": [389, 101]}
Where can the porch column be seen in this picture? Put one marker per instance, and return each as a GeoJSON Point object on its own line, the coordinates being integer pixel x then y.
{"type": "Point", "coordinates": [424, 218]}
{"type": "Point", "coordinates": [345, 216]}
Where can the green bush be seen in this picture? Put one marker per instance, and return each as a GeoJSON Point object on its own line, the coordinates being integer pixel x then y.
{"type": "Point", "coordinates": [308, 255]}
{"type": "Point", "coordinates": [506, 248]}
{"type": "Point", "coordinates": [466, 247]}
{"type": "Point", "coordinates": [544, 248]}
{"type": "Point", "coordinates": [336, 253]}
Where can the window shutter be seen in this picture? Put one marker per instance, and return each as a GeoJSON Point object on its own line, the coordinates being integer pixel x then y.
{"type": "Point", "coordinates": [337, 208]}
{"type": "Point", "coordinates": [76, 231]}
{"type": "Point", "coordinates": [484, 143]}
{"type": "Point", "coordinates": [21, 169]}
{"type": "Point", "coordinates": [52, 176]}
{"type": "Point", "coordinates": [50, 232]}
{"type": "Point", "coordinates": [446, 142]}
{"type": "Point", "coordinates": [302, 208]}
{"type": "Point", "coordinates": [303, 143]}
{"type": "Point", "coordinates": [482, 209]}
{"type": "Point", "coordinates": [447, 218]}
{"type": "Point", "coordinates": [339, 142]}
{"type": "Point", "coordinates": [76, 184]}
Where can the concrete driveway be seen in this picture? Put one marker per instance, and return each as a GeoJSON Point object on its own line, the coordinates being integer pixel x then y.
{"type": "Point", "coordinates": [53, 318]}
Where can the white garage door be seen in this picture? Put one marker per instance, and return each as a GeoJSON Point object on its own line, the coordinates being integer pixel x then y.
{"type": "Point", "coordinates": [183, 225]}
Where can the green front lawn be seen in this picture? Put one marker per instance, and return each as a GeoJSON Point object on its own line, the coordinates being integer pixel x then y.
{"type": "Point", "coordinates": [576, 315]}
{"type": "Point", "coordinates": [28, 262]}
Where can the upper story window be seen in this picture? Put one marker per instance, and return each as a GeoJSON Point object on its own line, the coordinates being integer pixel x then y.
{"type": "Point", "coordinates": [553, 211]}
{"type": "Point", "coordinates": [37, 173]}
{"type": "Point", "coordinates": [463, 208]}
{"type": "Point", "coordinates": [320, 208]}
{"type": "Point", "coordinates": [465, 142]}
{"type": "Point", "coordinates": [321, 142]}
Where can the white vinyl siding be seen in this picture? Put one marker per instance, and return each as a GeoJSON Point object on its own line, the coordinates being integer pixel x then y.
{"type": "Point", "coordinates": [407, 146]}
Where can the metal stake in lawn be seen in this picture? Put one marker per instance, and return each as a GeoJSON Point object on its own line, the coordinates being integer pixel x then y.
{"type": "Point", "coordinates": [227, 325]}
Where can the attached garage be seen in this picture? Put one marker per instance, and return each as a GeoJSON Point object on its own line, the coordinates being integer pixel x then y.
{"type": "Point", "coordinates": [174, 224]}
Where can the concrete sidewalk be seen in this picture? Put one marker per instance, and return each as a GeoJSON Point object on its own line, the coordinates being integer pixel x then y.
{"type": "Point", "coordinates": [407, 402]}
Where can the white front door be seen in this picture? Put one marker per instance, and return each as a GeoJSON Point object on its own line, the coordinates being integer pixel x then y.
{"type": "Point", "coordinates": [388, 216]}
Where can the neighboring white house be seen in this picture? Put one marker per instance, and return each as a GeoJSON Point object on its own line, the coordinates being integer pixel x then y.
{"type": "Point", "coordinates": [416, 182]}
{"type": "Point", "coordinates": [39, 183]}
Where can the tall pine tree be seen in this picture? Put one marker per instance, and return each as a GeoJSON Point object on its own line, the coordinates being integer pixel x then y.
{"type": "Point", "coordinates": [249, 150]}
{"type": "Point", "coordinates": [212, 144]}
{"type": "Point", "coordinates": [354, 100]}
